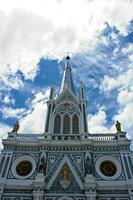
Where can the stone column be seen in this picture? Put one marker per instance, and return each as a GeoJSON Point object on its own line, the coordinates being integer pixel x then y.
{"type": "Point", "coordinates": [130, 190]}
{"type": "Point", "coordinates": [90, 185]}
{"type": "Point", "coordinates": [39, 186]}
{"type": "Point", "coordinates": [1, 192]}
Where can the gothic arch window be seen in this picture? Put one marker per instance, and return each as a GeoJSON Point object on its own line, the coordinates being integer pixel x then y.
{"type": "Point", "coordinates": [57, 124]}
{"type": "Point", "coordinates": [66, 125]}
{"type": "Point", "coordinates": [75, 124]}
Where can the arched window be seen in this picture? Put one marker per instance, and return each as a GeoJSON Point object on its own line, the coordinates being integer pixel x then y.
{"type": "Point", "coordinates": [57, 124]}
{"type": "Point", "coordinates": [66, 125]}
{"type": "Point", "coordinates": [75, 125]}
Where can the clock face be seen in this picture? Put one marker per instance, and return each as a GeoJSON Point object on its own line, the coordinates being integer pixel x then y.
{"type": "Point", "coordinates": [108, 168]}
{"type": "Point", "coordinates": [24, 168]}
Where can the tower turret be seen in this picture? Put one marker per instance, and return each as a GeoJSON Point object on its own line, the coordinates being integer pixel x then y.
{"type": "Point", "coordinates": [83, 108]}
{"type": "Point", "coordinates": [52, 92]}
{"type": "Point", "coordinates": [50, 104]}
{"type": "Point", "coordinates": [82, 91]}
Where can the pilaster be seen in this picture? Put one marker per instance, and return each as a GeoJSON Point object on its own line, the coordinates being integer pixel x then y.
{"type": "Point", "coordinates": [90, 185]}
{"type": "Point", "coordinates": [39, 186]}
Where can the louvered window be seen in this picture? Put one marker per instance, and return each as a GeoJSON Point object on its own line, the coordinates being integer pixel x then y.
{"type": "Point", "coordinates": [75, 125]}
{"type": "Point", "coordinates": [66, 125]}
{"type": "Point", "coordinates": [57, 125]}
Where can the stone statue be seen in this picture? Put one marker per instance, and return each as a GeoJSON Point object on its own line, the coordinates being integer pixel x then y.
{"type": "Point", "coordinates": [15, 127]}
{"type": "Point", "coordinates": [118, 126]}
{"type": "Point", "coordinates": [42, 166]}
{"type": "Point", "coordinates": [88, 166]}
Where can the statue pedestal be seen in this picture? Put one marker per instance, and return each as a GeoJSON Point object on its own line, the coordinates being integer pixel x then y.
{"type": "Point", "coordinates": [90, 185]}
{"type": "Point", "coordinates": [12, 135]}
{"type": "Point", "coordinates": [39, 185]}
{"type": "Point", "coordinates": [64, 183]}
{"type": "Point", "coordinates": [121, 136]}
{"type": "Point", "coordinates": [90, 181]}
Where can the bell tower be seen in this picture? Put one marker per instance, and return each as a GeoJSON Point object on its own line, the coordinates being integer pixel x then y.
{"type": "Point", "coordinates": [66, 115]}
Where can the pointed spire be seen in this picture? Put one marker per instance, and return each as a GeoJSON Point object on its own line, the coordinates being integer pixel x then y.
{"type": "Point", "coordinates": [82, 91]}
{"type": "Point", "coordinates": [67, 81]}
{"type": "Point", "coordinates": [52, 91]}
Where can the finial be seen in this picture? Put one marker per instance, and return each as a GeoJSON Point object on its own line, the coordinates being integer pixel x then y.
{"type": "Point", "coordinates": [53, 84]}
{"type": "Point", "coordinates": [67, 62]}
{"type": "Point", "coordinates": [68, 58]}
{"type": "Point", "coordinates": [81, 83]}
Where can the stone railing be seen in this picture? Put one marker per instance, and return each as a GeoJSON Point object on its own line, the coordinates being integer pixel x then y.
{"type": "Point", "coordinates": [29, 137]}
{"type": "Point", "coordinates": [66, 137]}
{"type": "Point", "coordinates": [45, 137]}
{"type": "Point", "coordinates": [102, 137]}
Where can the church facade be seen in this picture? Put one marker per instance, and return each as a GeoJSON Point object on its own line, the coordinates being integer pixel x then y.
{"type": "Point", "coordinates": [66, 162]}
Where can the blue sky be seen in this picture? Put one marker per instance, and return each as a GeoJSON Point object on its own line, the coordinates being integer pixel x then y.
{"type": "Point", "coordinates": [34, 40]}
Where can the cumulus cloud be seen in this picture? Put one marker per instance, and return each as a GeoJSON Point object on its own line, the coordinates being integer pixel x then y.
{"type": "Point", "coordinates": [4, 128]}
{"type": "Point", "coordinates": [33, 29]}
{"type": "Point", "coordinates": [97, 123]}
{"type": "Point", "coordinates": [124, 84]}
{"type": "Point", "coordinates": [126, 119]}
{"type": "Point", "coordinates": [125, 97]}
{"type": "Point", "coordinates": [122, 80]}
{"type": "Point", "coordinates": [31, 120]}
{"type": "Point", "coordinates": [9, 112]}
{"type": "Point", "coordinates": [34, 120]}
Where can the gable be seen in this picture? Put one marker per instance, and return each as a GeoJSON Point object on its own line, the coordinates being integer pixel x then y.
{"type": "Point", "coordinates": [67, 96]}
{"type": "Point", "coordinates": [56, 176]}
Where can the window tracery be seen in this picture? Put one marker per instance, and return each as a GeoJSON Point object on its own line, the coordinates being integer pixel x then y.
{"type": "Point", "coordinates": [57, 124]}
{"type": "Point", "coordinates": [75, 124]}
{"type": "Point", "coordinates": [66, 125]}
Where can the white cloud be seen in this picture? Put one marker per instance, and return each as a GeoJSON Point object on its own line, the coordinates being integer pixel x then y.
{"type": "Point", "coordinates": [35, 28]}
{"type": "Point", "coordinates": [125, 116]}
{"type": "Point", "coordinates": [9, 112]}
{"type": "Point", "coordinates": [123, 80]}
{"type": "Point", "coordinates": [34, 121]}
{"type": "Point", "coordinates": [128, 49]}
{"type": "Point", "coordinates": [125, 97]}
{"type": "Point", "coordinates": [7, 99]}
{"type": "Point", "coordinates": [97, 123]}
{"type": "Point", "coordinates": [4, 128]}
{"type": "Point", "coordinates": [11, 80]}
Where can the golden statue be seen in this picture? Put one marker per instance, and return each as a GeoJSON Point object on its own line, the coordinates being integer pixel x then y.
{"type": "Point", "coordinates": [65, 172]}
{"type": "Point", "coordinates": [118, 126]}
{"type": "Point", "coordinates": [15, 127]}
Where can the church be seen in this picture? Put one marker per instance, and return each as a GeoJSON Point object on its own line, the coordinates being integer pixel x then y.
{"type": "Point", "coordinates": [66, 162]}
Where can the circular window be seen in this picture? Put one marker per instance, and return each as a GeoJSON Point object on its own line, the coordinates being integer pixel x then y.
{"type": "Point", "coordinates": [24, 168]}
{"type": "Point", "coordinates": [108, 168]}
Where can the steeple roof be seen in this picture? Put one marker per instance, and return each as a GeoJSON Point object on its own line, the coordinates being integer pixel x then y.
{"type": "Point", "coordinates": [67, 81]}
